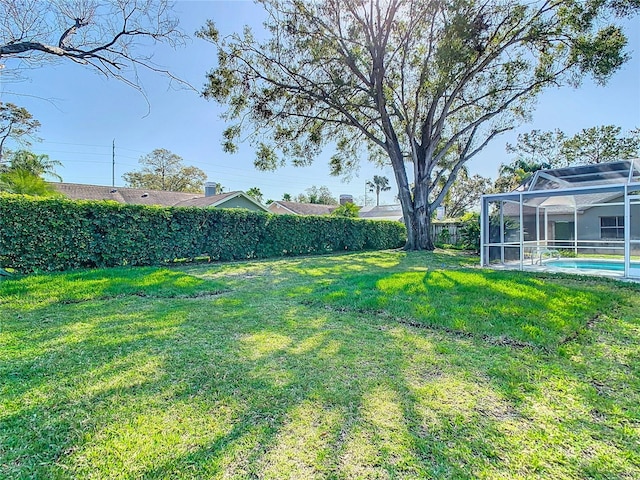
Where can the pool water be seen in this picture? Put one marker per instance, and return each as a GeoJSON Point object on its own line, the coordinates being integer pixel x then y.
{"type": "Point", "coordinates": [590, 264]}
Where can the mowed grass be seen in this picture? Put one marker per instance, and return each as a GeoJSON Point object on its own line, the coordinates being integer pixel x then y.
{"type": "Point", "coordinates": [371, 365]}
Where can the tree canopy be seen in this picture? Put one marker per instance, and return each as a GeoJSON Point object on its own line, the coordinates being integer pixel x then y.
{"type": "Point", "coordinates": [465, 194]}
{"type": "Point", "coordinates": [348, 210]}
{"type": "Point", "coordinates": [17, 125]}
{"type": "Point", "coordinates": [164, 170]}
{"type": "Point", "coordinates": [255, 193]}
{"type": "Point", "coordinates": [21, 181]}
{"type": "Point", "coordinates": [112, 37]}
{"type": "Point", "coordinates": [426, 83]}
{"type": "Point", "coordinates": [320, 195]}
{"type": "Point", "coordinates": [38, 165]}
{"type": "Point", "coordinates": [600, 145]}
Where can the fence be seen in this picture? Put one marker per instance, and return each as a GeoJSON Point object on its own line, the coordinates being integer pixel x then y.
{"type": "Point", "coordinates": [446, 232]}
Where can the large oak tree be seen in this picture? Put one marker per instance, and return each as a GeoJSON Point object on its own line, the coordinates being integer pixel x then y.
{"type": "Point", "coordinates": [424, 84]}
{"type": "Point", "coordinates": [113, 37]}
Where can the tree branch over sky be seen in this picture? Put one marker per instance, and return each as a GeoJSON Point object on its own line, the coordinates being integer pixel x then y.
{"type": "Point", "coordinates": [426, 83]}
{"type": "Point", "coordinates": [109, 36]}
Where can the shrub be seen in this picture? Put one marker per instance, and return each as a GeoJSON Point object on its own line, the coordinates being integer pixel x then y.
{"type": "Point", "coordinates": [61, 234]}
{"type": "Point", "coordinates": [470, 232]}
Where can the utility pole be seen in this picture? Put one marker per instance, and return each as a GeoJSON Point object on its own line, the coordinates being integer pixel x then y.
{"type": "Point", "coordinates": [113, 163]}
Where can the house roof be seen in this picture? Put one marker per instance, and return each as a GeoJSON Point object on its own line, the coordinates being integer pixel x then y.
{"type": "Point", "coordinates": [383, 212]}
{"type": "Point", "coordinates": [217, 200]}
{"type": "Point", "coordinates": [297, 208]}
{"type": "Point", "coordinates": [138, 196]}
{"type": "Point", "coordinates": [134, 196]}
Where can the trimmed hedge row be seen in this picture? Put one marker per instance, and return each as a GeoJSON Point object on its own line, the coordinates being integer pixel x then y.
{"type": "Point", "coordinates": [61, 234]}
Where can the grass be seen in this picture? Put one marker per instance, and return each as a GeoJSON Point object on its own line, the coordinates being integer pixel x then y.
{"type": "Point", "coordinates": [373, 365]}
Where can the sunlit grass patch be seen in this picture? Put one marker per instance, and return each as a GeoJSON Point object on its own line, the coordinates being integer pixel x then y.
{"type": "Point", "coordinates": [376, 365]}
{"type": "Point", "coordinates": [505, 305]}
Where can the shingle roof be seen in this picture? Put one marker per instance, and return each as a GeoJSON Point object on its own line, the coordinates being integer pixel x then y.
{"type": "Point", "coordinates": [135, 196]}
{"type": "Point", "coordinates": [307, 208]}
{"type": "Point", "coordinates": [203, 201]}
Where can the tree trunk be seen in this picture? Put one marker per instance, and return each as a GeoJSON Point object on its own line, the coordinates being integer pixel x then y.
{"type": "Point", "coordinates": [418, 220]}
{"type": "Point", "coordinates": [419, 232]}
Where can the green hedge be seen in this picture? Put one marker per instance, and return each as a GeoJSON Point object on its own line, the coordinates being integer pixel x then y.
{"type": "Point", "coordinates": [61, 234]}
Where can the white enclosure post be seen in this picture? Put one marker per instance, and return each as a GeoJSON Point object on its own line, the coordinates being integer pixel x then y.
{"type": "Point", "coordinates": [502, 231]}
{"type": "Point", "coordinates": [521, 233]}
{"type": "Point", "coordinates": [575, 226]}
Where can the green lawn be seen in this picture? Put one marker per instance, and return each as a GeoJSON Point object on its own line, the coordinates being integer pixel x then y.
{"type": "Point", "coordinates": [370, 365]}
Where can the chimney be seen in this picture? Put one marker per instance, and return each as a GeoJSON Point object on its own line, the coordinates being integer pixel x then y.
{"type": "Point", "coordinates": [345, 198]}
{"type": "Point", "coordinates": [210, 189]}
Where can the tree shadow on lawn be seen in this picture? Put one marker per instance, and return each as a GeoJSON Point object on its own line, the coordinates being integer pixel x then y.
{"type": "Point", "coordinates": [24, 293]}
{"type": "Point", "coordinates": [436, 290]}
{"type": "Point", "coordinates": [498, 306]}
{"type": "Point", "coordinates": [196, 388]}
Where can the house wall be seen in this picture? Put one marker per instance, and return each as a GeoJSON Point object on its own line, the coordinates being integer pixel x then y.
{"type": "Point", "coordinates": [275, 208]}
{"type": "Point", "coordinates": [240, 202]}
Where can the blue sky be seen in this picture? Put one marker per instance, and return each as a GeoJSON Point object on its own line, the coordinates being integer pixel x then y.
{"type": "Point", "coordinates": [82, 113]}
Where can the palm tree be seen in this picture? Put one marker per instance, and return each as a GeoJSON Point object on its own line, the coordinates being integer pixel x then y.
{"type": "Point", "coordinates": [24, 182]}
{"type": "Point", "coordinates": [38, 165]}
{"type": "Point", "coordinates": [379, 184]}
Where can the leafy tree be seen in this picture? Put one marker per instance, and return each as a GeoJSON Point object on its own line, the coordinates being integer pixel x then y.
{"type": "Point", "coordinates": [514, 174]}
{"type": "Point", "coordinates": [465, 193]}
{"type": "Point", "coordinates": [470, 232]}
{"type": "Point", "coordinates": [255, 193]}
{"type": "Point", "coordinates": [109, 36]}
{"type": "Point", "coordinates": [17, 124]}
{"type": "Point", "coordinates": [426, 83]}
{"type": "Point", "coordinates": [379, 184]}
{"type": "Point", "coordinates": [38, 165]}
{"type": "Point", "coordinates": [539, 148]}
{"type": "Point", "coordinates": [163, 170]}
{"type": "Point", "coordinates": [348, 210]}
{"type": "Point", "coordinates": [286, 197]}
{"type": "Point", "coordinates": [554, 149]}
{"type": "Point", "coordinates": [320, 195]}
{"type": "Point", "coordinates": [26, 182]}
{"type": "Point", "coordinates": [601, 144]}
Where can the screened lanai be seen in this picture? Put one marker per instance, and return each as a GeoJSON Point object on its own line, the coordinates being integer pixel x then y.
{"type": "Point", "coordinates": [584, 218]}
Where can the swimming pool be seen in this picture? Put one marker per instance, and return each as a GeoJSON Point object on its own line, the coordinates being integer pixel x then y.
{"type": "Point", "coordinates": [590, 264]}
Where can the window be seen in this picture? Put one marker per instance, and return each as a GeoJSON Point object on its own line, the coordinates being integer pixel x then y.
{"type": "Point", "coordinates": [611, 227]}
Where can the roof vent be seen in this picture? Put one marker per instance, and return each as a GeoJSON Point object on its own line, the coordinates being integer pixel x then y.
{"type": "Point", "coordinates": [144, 195]}
{"type": "Point", "coordinates": [113, 191]}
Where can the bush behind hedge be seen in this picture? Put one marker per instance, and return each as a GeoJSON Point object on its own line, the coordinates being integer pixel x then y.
{"type": "Point", "coordinates": [62, 234]}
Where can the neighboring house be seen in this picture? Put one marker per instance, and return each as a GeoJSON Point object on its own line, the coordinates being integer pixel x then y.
{"type": "Point", "coordinates": [382, 212]}
{"type": "Point", "coordinates": [294, 208]}
{"type": "Point", "coordinates": [225, 200]}
{"type": "Point", "coordinates": [138, 196]}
